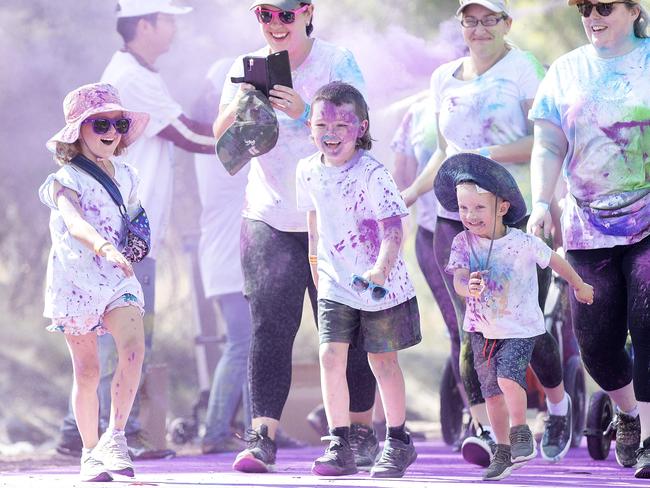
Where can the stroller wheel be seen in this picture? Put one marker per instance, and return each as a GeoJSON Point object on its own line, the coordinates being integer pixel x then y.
{"type": "Point", "coordinates": [599, 418]}
{"type": "Point", "coordinates": [574, 383]}
{"type": "Point", "coordinates": [451, 406]}
{"type": "Point", "coordinates": [182, 430]}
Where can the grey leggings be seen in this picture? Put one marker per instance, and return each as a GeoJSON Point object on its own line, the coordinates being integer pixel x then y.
{"type": "Point", "coordinates": [276, 275]}
{"type": "Point", "coordinates": [545, 361]}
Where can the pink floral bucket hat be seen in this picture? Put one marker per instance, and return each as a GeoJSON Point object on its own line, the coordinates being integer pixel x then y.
{"type": "Point", "coordinates": [88, 100]}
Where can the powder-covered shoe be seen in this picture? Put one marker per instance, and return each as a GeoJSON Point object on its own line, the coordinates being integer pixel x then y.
{"type": "Point", "coordinates": [92, 469]}
{"type": "Point", "coordinates": [628, 438]}
{"type": "Point", "coordinates": [338, 459]}
{"type": "Point", "coordinates": [642, 467]}
{"type": "Point", "coordinates": [522, 444]}
{"type": "Point", "coordinates": [114, 453]}
{"type": "Point", "coordinates": [259, 456]}
{"type": "Point", "coordinates": [501, 465]}
{"type": "Point", "coordinates": [364, 444]}
{"type": "Point", "coordinates": [479, 449]}
{"type": "Point", "coordinates": [395, 458]}
{"type": "Point", "coordinates": [558, 431]}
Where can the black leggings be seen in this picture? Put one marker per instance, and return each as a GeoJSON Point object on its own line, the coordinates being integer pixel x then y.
{"type": "Point", "coordinates": [545, 361]}
{"type": "Point", "coordinates": [276, 274]}
{"type": "Point", "coordinates": [621, 280]}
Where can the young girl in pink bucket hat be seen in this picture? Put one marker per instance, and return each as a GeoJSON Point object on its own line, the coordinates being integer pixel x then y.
{"type": "Point", "coordinates": [91, 288]}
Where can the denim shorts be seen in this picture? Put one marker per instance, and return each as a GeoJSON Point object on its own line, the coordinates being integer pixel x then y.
{"type": "Point", "coordinates": [500, 358]}
{"type": "Point", "coordinates": [387, 330]}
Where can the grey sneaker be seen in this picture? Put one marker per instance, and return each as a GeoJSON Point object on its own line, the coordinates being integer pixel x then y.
{"type": "Point", "coordinates": [259, 456]}
{"type": "Point", "coordinates": [395, 458]}
{"type": "Point", "coordinates": [501, 466]}
{"type": "Point", "coordinates": [522, 444]}
{"type": "Point", "coordinates": [628, 438]}
{"type": "Point", "coordinates": [642, 467]}
{"type": "Point", "coordinates": [92, 468]}
{"type": "Point", "coordinates": [364, 445]}
{"type": "Point", "coordinates": [479, 449]}
{"type": "Point", "coordinates": [558, 431]}
{"type": "Point", "coordinates": [113, 452]}
{"type": "Point", "coordinates": [338, 459]}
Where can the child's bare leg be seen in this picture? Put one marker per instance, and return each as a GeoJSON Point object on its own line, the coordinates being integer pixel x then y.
{"type": "Point", "coordinates": [497, 411]}
{"type": "Point", "coordinates": [515, 398]}
{"type": "Point", "coordinates": [85, 403]}
{"type": "Point", "coordinates": [334, 384]}
{"type": "Point", "coordinates": [390, 380]}
{"type": "Point", "coordinates": [125, 325]}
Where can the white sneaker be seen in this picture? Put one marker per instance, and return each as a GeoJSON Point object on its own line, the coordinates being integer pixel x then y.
{"type": "Point", "coordinates": [92, 469]}
{"type": "Point", "coordinates": [113, 452]}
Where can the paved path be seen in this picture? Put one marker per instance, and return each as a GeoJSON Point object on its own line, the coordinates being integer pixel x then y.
{"type": "Point", "coordinates": [436, 466]}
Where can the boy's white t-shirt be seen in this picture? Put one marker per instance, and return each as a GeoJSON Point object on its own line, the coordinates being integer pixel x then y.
{"type": "Point", "coordinates": [271, 189]}
{"type": "Point", "coordinates": [349, 201]}
{"type": "Point", "coordinates": [78, 282]}
{"type": "Point", "coordinates": [143, 90]}
{"type": "Point", "coordinates": [509, 307]}
{"type": "Point", "coordinates": [487, 110]}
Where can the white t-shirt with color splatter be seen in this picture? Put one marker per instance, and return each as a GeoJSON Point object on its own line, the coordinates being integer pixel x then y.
{"type": "Point", "coordinates": [271, 189]}
{"type": "Point", "coordinates": [79, 283]}
{"type": "Point", "coordinates": [487, 110]}
{"type": "Point", "coordinates": [508, 307]}
{"type": "Point", "coordinates": [349, 201]}
{"type": "Point", "coordinates": [603, 108]}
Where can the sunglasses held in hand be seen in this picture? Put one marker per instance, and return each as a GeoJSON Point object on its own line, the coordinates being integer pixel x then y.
{"type": "Point", "coordinates": [266, 16]}
{"type": "Point", "coordinates": [360, 284]}
{"type": "Point", "coordinates": [101, 125]}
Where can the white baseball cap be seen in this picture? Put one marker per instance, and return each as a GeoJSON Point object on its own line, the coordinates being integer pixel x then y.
{"type": "Point", "coordinates": [496, 6]}
{"type": "Point", "coordinates": [136, 8]}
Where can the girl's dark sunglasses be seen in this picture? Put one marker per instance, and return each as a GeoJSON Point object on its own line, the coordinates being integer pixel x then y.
{"type": "Point", "coordinates": [266, 16]}
{"type": "Point", "coordinates": [101, 125]}
{"type": "Point", "coordinates": [360, 284]}
{"type": "Point", "coordinates": [603, 9]}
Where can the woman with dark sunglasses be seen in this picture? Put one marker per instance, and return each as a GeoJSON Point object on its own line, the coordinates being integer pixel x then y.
{"type": "Point", "coordinates": [592, 124]}
{"type": "Point", "coordinates": [274, 246]}
{"type": "Point", "coordinates": [481, 102]}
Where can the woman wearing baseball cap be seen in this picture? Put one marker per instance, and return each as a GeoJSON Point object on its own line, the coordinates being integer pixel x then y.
{"type": "Point", "coordinates": [592, 124]}
{"type": "Point", "coordinates": [274, 247]}
{"type": "Point", "coordinates": [481, 102]}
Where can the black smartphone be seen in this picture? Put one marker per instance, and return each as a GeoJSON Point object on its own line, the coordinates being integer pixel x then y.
{"type": "Point", "coordinates": [265, 72]}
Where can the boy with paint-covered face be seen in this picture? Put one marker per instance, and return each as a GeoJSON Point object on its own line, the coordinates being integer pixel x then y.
{"type": "Point", "coordinates": [365, 296]}
{"type": "Point", "coordinates": [495, 269]}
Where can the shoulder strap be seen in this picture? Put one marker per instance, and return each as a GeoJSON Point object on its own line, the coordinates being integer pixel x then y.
{"type": "Point", "coordinates": [102, 178]}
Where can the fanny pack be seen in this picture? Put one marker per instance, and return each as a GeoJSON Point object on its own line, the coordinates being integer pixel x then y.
{"type": "Point", "coordinates": [136, 241]}
{"type": "Point", "coordinates": [622, 214]}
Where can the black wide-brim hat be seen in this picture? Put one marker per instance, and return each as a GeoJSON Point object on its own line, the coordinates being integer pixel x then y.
{"type": "Point", "coordinates": [488, 174]}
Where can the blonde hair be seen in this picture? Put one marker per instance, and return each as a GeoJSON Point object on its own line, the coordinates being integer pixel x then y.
{"type": "Point", "coordinates": [65, 151]}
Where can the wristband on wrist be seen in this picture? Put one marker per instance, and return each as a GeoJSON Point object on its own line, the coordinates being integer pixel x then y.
{"type": "Point", "coordinates": [98, 249]}
{"type": "Point", "coordinates": [313, 259]}
{"type": "Point", "coordinates": [305, 113]}
{"type": "Point", "coordinates": [543, 204]}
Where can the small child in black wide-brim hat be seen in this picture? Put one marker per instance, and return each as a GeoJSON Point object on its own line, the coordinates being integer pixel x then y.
{"type": "Point", "coordinates": [494, 268]}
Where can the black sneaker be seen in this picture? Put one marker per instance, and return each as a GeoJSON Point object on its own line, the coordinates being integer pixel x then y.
{"type": "Point", "coordinates": [69, 446]}
{"type": "Point", "coordinates": [479, 449]}
{"type": "Point", "coordinates": [364, 444]}
{"type": "Point", "coordinates": [522, 444]}
{"type": "Point", "coordinates": [259, 456]}
{"type": "Point", "coordinates": [395, 458]}
{"type": "Point", "coordinates": [338, 459]}
{"type": "Point", "coordinates": [318, 420]}
{"type": "Point", "coordinates": [558, 430]}
{"type": "Point", "coordinates": [501, 465]}
{"type": "Point", "coordinates": [642, 467]}
{"type": "Point", "coordinates": [628, 438]}
{"type": "Point", "coordinates": [141, 448]}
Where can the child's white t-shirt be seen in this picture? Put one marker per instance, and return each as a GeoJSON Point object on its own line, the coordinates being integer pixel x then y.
{"type": "Point", "coordinates": [350, 201]}
{"type": "Point", "coordinates": [487, 110]}
{"type": "Point", "coordinates": [508, 307]}
{"type": "Point", "coordinates": [271, 189]}
{"type": "Point", "coordinates": [79, 283]}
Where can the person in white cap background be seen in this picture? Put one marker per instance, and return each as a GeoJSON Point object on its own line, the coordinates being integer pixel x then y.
{"type": "Point", "coordinates": [148, 28]}
{"type": "Point", "coordinates": [274, 247]}
{"type": "Point", "coordinates": [482, 101]}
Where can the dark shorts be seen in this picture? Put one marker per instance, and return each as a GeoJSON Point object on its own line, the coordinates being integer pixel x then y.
{"type": "Point", "coordinates": [387, 330]}
{"type": "Point", "coordinates": [500, 358]}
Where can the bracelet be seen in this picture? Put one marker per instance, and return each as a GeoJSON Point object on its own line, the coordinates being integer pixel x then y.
{"type": "Point", "coordinates": [543, 204]}
{"type": "Point", "coordinates": [305, 113]}
{"type": "Point", "coordinates": [97, 248]}
{"type": "Point", "coordinates": [313, 259]}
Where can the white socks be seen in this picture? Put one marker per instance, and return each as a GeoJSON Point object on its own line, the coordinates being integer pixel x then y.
{"type": "Point", "coordinates": [561, 408]}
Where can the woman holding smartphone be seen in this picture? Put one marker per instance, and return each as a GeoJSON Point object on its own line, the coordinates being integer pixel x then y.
{"type": "Point", "coordinates": [274, 248]}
